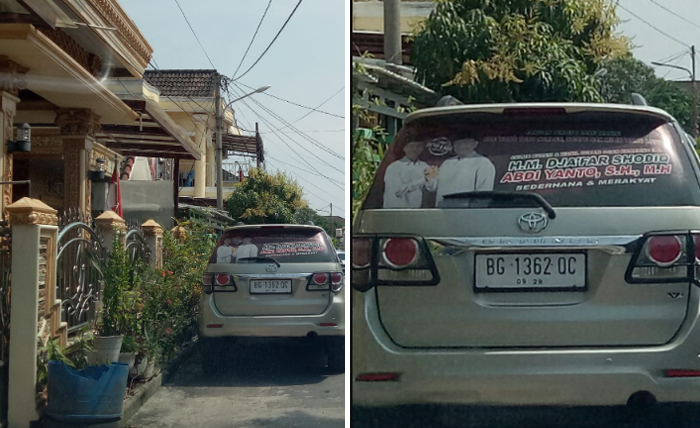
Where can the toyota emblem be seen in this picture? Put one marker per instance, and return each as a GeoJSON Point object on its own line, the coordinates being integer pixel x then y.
{"type": "Point", "coordinates": [533, 222]}
{"type": "Point", "coordinates": [271, 268]}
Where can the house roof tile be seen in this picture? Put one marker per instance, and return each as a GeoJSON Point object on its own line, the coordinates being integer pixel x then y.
{"type": "Point", "coordinates": [183, 83]}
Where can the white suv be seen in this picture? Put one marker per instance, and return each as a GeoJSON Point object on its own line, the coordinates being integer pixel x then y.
{"type": "Point", "coordinates": [532, 254]}
{"type": "Point", "coordinates": [282, 281]}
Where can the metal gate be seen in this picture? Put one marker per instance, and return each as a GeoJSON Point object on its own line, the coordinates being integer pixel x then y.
{"type": "Point", "coordinates": [5, 277]}
{"type": "Point", "coordinates": [80, 264]}
{"type": "Point", "coordinates": [136, 246]}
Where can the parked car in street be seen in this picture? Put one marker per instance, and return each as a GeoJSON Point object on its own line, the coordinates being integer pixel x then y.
{"type": "Point", "coordinates": [341, 256]}
{"type": "Point", "coordinates": [530, 254]}
{"type": "Point", "coordinates": [272, 281]}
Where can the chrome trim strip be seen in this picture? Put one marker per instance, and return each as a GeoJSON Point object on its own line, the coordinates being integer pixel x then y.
{"type": "Point", "coordinates": [272, 276]}
{"type": "Point", "coordinates": [610, 244]}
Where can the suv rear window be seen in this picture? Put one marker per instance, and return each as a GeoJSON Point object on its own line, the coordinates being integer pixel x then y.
{"type": "Point", "coordinates": [576, 159]}
{"type": "Point", "coordinates": [284, 244]}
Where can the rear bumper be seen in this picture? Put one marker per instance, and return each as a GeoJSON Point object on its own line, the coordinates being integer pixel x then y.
{"type": "Point", "coordinates": [570, 377]}
{"type": "Point", "coordinates": [271, 326]}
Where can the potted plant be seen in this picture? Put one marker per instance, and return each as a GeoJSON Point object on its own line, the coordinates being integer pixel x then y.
{"type": "Point", "coordinates": [118, 314]}
{"type": "Point", "coordinates": [152, 336]}
{"type": "Point", "coordinates": [128, 351]}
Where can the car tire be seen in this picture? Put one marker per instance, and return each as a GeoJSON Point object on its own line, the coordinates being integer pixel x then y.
{"type": "Point", "coordinates": [336, 354]}
{"type": "Point", "coordinates": [210, 355]}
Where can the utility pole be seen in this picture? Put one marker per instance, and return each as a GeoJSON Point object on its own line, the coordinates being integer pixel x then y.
{"type": "Point", "coordinates": [219, 148]}
{"type": "Point", "coordinates": [695, 95]}
{"type": "Point", "coordinates": [392, 32]}
{"type": "Point", "coordinates": [332, 230]}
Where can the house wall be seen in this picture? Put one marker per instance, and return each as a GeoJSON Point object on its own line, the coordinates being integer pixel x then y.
{"type": "Point", "coordinates": [144, 199]}
{"type": "Point", "coordinates": [369, 15]}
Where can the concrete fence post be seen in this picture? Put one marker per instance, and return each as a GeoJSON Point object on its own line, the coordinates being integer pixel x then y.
{"type": "Point", "coordinates": [154, 238]}
{"type": "Point", "coordinates": [34, 314]}
{"type": "Point", "coordinates": [108, 223]}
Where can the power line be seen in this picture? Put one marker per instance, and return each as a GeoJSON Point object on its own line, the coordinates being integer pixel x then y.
{"type": "Point", "coordinates": [305, 190]}
{"type": "Point", "coordinates": [674, 57]}
{"type": "Point", "coordinates": [195, 34]}
{"type": "Point", "coordinates": [297, 168]}
{"type": "Point", "coordinates": [301, 134]}
{"type": "Point", "coordinates": [296, 104]}
{"type": "Point", "coordinates": [652, 25]}
{"type": "Point", "coordinates": [675, 14]}
{"type": "Point", "coordinates": [253, 39]}
{"type": "Point", "coordinates": [312, 131]}
{"type": "Point", "coordinates": [271, 43]}
{"type": "Point", "coordinates": [311, 140]}
{"type": "Point", "coordinates": [674, 61]}
{"type": "Point", "coordinates": [319, 106]}
{"type": "Point", "coordinates": [272, 127]}
{"type": "Point", "coordinates": [314, 185]}
{"type": "Point", "coordinates": [303, 159]}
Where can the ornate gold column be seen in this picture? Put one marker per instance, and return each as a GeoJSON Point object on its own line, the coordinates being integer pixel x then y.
{"type": "Point", "coordinates": [78, 128]}
{"type": "Point", "coordinates": [12, 79]}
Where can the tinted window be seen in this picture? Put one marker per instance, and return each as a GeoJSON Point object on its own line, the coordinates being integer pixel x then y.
{"type": "Point", "coordinates": [575, 159]}
{"type": "Point", "coordinates": [284, 244]}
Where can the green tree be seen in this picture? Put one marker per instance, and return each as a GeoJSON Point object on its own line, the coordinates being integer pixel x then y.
{"type": "Point", "coordinates": [627, 74]}
{"type": "Point", "coordinates": [517, 50]}
{"type": "Point", "coordinates": [266, 198]}
{"type": "Point", "coordinates": [367, 145]}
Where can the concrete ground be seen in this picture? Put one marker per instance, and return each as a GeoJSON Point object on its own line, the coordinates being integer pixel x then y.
{"type": "Point", "coordinates": [261, 385]}
{"type": "Point", "coordinates": [485, 417]}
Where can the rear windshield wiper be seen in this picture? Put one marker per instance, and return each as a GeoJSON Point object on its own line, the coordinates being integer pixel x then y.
{"type": "Point", "coordinates": [261, 259]}
{"type": "Point", "coordinates": [507, 196]}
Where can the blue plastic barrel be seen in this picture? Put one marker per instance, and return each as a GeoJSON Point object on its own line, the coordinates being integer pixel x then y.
{"type": "Point", "coordinates": [93, 394]}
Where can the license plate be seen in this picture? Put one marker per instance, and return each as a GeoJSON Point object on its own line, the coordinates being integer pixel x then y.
{"type": "Point", "coordinates": [271, 286]}
{"type": "Point", "coordinates": [521, 272]}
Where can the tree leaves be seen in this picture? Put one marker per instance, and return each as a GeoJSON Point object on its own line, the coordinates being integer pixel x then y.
{"type": "Point", "coordinates": [266, 198]}
{"type": "Point", "coordinates": [518, 50]}
{"type": "Point", "coordinates": [627, 74]}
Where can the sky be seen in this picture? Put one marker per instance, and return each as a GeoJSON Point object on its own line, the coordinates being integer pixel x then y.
{"type": "Point", "coordinates": [305, 65]}
{"type": "Point", "coordinates": [652, 44]}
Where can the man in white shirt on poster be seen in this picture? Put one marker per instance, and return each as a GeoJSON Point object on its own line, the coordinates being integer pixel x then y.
{"type": "Point", "coordinates": [405, 178]}
{"type": "Point", "coordinates": [224, 252]}
{"type": "Point", "coordinates": [246, 249]}
{"type": "Point", "coordinates": [467, 172]}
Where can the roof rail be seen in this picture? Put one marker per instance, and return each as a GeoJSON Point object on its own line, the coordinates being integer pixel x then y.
{"type": "Point", "coordinates": [448, 100]}
{"type": "Point", "coordinates": [638, 100]}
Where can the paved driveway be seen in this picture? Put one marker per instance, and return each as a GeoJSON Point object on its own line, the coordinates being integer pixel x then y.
{"type": "Point", "coordinates": [263, 385]}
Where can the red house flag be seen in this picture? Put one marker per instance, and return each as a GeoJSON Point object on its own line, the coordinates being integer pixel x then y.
{"type": "Point", "coordinates": [114, 195]}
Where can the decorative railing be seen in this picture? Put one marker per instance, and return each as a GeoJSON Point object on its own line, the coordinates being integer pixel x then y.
{"type": "Point", "coordinates": [80, 263]}
{"type": "Point", "coordinates": [5, 276]}
{"type": "Point", "coordinates": [136, 245]}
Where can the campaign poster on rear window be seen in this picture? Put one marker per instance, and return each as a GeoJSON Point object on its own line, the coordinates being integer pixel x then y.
{"type": "Point", "coordinates": [421, 169]}
{"type": "Point", "coordinates": [237, 248]}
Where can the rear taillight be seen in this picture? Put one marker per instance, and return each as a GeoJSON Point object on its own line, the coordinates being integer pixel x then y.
{"type": "Point", "coordinates": [664, 250]}
{"type": "Point", "coordinates": [391, 260]}
{"type": "Point", "coordinates": [324, 281]}
{"type": "Point", "coordinates": [400, 252]}
{"type": "Point", "coordinates": [321, 278]}
{"type": "Point", "coordinates": [218, 282]}
{"type": "Point", "coordinates": [207, 280]}
{"type": "Point", "coordinates": [682, 373]}
{"type": "Point", "coordinates": [534, 111]}
{"type": "Point", "coordinates": [666, 257]}
{"type": "Point", "coordinates": [361, 253]}
{"type": "Point", "coordinates": [337, 280]}
{"type": "Point", "coordinates": [377, 377]}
